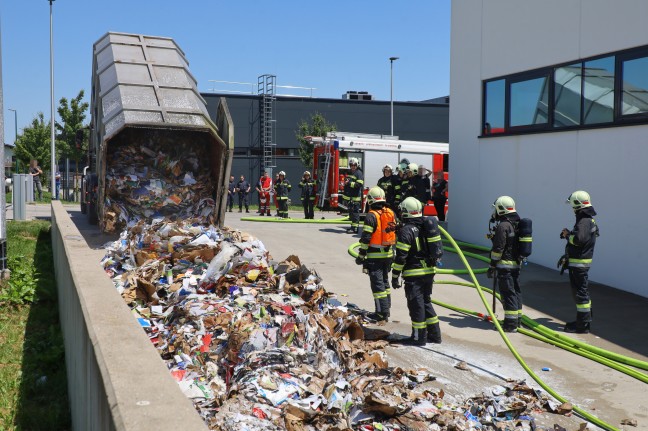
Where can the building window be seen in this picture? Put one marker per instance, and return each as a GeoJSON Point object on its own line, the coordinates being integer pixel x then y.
{"type": "Point", "coordinates": [567, 95]}
{"type": "Point", "coordinates": [495, 98]}
{"type": "Point", "coordinates": [529, 102]}
{"type": "Point", "coordinates": [598, 91]}
{"type": "Point", "coordinates": [634, 86]}
{"type": "Point", "coordinates": [602, 91]}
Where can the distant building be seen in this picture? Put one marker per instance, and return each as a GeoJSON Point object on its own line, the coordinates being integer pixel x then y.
{"type": "Point", "coordinates": [421, 121]}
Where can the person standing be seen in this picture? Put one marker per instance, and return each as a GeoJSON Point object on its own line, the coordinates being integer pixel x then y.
{"type": "Point", "coordinates": [231, 189]}
{"type": "Point", "coordinates": [282, 187]}
{"type": "Point", "coordinates": [57, 182]}
{"type": "Point", "coordinates": [439, 198]}
{"type": "Point", "coordinates": [389, 183]}
{"type": "Point", "coordinates": [400, 172]}
{"type": "Point", "coordinates": [243, 188]}
{"type": "Point", "coordinates": [264, 186]}
{"type": "Point", "coordinates": [376, 253]}
{"type": "Point", "coordinates": [353, 188]}
{"type": "Point", "coordinates": [308, 195]}
{"type": "Point", "coordinates": [505, 260]}
{"type": "Point", "coordinates": [418, 250]}
{"type": "Point", "coordinates": [36, 172]}
{"type": "Point", "coordinates": [580, 250]}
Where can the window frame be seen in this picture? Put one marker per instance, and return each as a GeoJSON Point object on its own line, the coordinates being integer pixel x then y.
{"type": "Point", "coordinates": [618, 120]}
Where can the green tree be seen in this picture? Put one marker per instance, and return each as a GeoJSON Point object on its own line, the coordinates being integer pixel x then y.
{"type": "Point", "coordinates": [318, 126]}
{"type": "Point", "coordinates": [34, 143]}
{"type": "Point", "coordinates": [71, 116]}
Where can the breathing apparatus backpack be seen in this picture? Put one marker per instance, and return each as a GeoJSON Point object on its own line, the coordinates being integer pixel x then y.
{"type": "Point", "coordinates": [525, 241]}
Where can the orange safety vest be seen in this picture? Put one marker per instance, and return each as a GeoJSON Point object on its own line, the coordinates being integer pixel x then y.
{"type": "Point", "coordinates": [380, 237]}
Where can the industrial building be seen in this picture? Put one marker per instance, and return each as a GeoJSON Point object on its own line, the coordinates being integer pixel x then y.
{"type": "Point", "coordinates": [353, 112]}
{"type": "Point", "coordinates": [548, 98]}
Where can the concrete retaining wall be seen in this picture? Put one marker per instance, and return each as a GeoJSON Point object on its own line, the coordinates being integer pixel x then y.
{"type": "Point", "coordinates": [116, 379]}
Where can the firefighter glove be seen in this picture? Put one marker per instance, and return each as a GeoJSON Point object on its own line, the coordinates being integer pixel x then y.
{"type": "Point", "coordinates": [564, 233]}
{"type": "Point", "coordinates": [563, 263]}
{"type": "Point", "coordinates": [395, 283]}
{"type": "Point", "coordinates": [491, 272]}
{"type": "Point", "coordinates": [360, 259]}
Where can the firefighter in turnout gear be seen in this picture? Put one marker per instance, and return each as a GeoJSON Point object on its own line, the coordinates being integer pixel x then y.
{"type": "Point", "coordinates": [376, 252]}
{"type": "Point", "coordinates": [390, 184]}
{"type": "Point", "coordinates": [282, 187]}
{"type": "Point", "coordinates": [579, 252]}
{"type": "Point", "coordinates": [400, 172]}
{"type": "Point", "coordinates": [418, 249]}
{"type": "Point", "coordinates": [353, 189]}
{"type": "Point", "coordinates": [307, 184]}
{"type": "Point", "coordinates": [505, 260]}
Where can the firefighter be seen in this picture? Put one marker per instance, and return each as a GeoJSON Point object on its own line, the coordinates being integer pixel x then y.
{"type": "Point", "coordinates": [376, 253]}
{"type": "Point", "coordinates": [243, 188]}
{"type": "Point", "coordinates": [400, 172]}
{"type": "Point", "coordinates": [418, 250]}
{"type": "Point", "coordinates": [579, 251]}
{"type": "Point", "coordinates": [353, 188]}
{"type": "Point", "coordinates": [282, 187]}
{"type": "Point", "coordinates": [408, 184]}
{"type": "Point", "coordinates": [263, 188]}
{"type": "Point", "coordinates": [421, 183]}
{"type": "Point", "coordinates": [505, 260]}
{"type": "Point", "coordinates": [388, 183]}
{"type": "Point", "coordinates": [308, 195]}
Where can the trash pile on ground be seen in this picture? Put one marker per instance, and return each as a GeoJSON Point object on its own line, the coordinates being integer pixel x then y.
{"type": "Point", "coordinates": [261, 345]}
{"type": "Point", "coordinates": [175, 179]}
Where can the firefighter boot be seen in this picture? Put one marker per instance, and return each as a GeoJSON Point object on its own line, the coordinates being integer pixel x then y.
{"type": "Point", "coordinates": [510, 325]}
{"type": "Point", "coordinates": [378, 317]}
{"type": "Point", "coordinates": [418, 338]}
{"type": "Point", "coordinates": [434, 334]}
{"type": "Point", "coordinates": [581, 325]}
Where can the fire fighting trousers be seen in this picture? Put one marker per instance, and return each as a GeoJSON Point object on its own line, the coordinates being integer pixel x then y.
{"type": "Point", "coordinates": [309, 205]}
{"type": "Point", "coordinates": [378, 270]}
{"type": "Point", "coordinates": [418, 291]}
{"type": "Point", "coordinates": [508, 281]}
{"type": "Point", "coordinates": [578, 278]}
{"type": "Point", "coordinates": [354, 213]}
{"type": "Point", "coordinates": [283, 207]}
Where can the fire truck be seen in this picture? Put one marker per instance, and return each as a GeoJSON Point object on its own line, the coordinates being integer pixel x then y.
{"type": "Point", "coordinates": [331, 157]}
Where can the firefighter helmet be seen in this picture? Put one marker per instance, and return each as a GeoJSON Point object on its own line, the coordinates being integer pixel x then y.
{"type": "Point", "coordinates": [282, 173]}
{"type": "Point", "coordinates": [307, 173]}
{"type": "Point", "coordinates": [402, 166]}
{"type": "Point", "coordinates": [504, 205]}
{"type": "Point", "coordinates": [353, 161]}
{"type": "Point", "coordinates": [413, 168]}
{"type": "Point", "coordinates": [411, 208]}
{"type": "Point", "coordinates": [375, 195]}
{"type": "Point", "coordinates": [579, 199]}
{"type": "Point", "coordinates": [388, 167]}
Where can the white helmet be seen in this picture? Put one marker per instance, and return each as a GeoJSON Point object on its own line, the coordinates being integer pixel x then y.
{"type": "Point", "coordinates": [388, 167]}
{"type": "Point", "coordinates": [579, 199]}
{"type": "Point", "coordinates": [353, 161]}
{"type": "Point", "coordinates": [375, 195]}
{"type": "Point", "coordinates": [282, 173]}
{"type": "Point", "coordinates": [307, 173]}
{"type": "Point", "coordinates": [411, 208]}
{"type": "Point", "coordinates": [413, 168]}
{"type": "Point", "coordinates": [504, 205]}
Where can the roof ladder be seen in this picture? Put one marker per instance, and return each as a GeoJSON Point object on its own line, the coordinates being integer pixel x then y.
{"type": "Point", "coordinates": [266, 90]}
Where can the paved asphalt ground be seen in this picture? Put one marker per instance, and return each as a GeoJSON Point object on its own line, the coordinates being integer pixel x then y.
{"type": "Point", "coordinates": [620, 322]}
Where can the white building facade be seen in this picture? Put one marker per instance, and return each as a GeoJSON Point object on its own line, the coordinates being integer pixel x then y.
{"type": "Point", "coordinates": [548, 97]}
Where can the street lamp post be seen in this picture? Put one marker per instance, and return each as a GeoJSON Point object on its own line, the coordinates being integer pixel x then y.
{"type": "Point", "coordinates": [16, 128]}
{"type": "Point", "coordinates": [53, 142]}
{"type": "Point", "coordinates": [391, 90]}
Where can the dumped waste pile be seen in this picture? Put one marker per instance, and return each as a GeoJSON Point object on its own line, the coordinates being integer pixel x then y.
{"type": "Point", "coordinates": [158, 175]}
{"type": "Point", "coordinates": [261, 345]}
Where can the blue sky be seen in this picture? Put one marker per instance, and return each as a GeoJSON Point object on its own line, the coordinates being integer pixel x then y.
{"type": "Point", "coordinates": [332, 45]}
